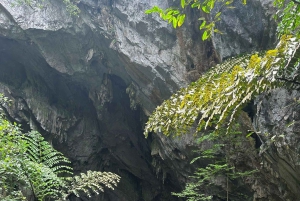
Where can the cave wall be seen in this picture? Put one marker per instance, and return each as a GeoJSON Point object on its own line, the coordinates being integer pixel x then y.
{"type": "Point", "coordinates": [88, 83]}
{"type": "Point", "coordinates": [277, 120]}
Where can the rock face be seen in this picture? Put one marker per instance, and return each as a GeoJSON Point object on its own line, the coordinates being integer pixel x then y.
{"type": "Point", "coordinates": [250, 28]}
{"type": "Point", "coordinates": [87, 83]}
{"type": "Point", "coordinates": [277, 120]}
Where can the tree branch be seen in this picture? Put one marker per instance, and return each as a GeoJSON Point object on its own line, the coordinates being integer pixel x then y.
{"type": "Point", "coordinates": [296, 2]}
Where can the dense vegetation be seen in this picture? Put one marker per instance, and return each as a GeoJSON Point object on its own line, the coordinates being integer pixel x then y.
{"type": "Point", "coordinates": [31, 169]}
{"type": "Point", "coordinates": [216, 100]}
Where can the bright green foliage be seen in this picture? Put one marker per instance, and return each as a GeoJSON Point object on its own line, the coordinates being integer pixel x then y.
{"type": "Point", "coordinates": [176, 16]}
{"type": "Point", "coordinates": [41, 151]}
{"type": "Point", "coordinates": [12, 148]}
{"type": "Point", "coordinates": [288, 15]}
{"type": "Point", "coordinates": [44, 166]}
{"type": "Point", "coordinates": [220, 94]}
{"type": "Point", "coordinates": [31, 169]}
{"type": "Point", "coordinates": [206, 180]}
{"type": "Point", "coordinates": [171, 15]}
{"type": "Point", "coordinates": [30, 163]}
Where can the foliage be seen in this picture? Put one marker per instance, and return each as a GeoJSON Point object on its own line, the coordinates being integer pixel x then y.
{"type": "Point", "coordinates": [44, 167]}
{"type": "Point", "coordinates": [31, 169]}
{"type": "Point", "coordinates": [288, 16]}
{"type": "Point", "coordinates": [11, 157]}
{"type": "Point", "coordinates": [220, 94]}
{"type": "Point", "coordinates": [94, 181]}
{"type": "Point", "coordinates": [206, 180]}
{"type": "Point", "coordinates": [176, 16]}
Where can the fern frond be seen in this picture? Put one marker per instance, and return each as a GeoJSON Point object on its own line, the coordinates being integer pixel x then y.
{"type": "Point", "coordinates": [45, 183]}
{"type": "Point", "coordinates": [41, 151]}
{"type": "Point", "coordinates": [218, 97]}
{"type": "Point", "coordinates": [29, 163]}
{"type": "Point", "coordinates": [92, 181]}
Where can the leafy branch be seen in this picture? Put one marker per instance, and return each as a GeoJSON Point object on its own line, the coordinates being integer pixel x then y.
{"type": "Point", "coordinates": [288, 16]}
{"type": "Point", "coordinates": [218, 96]}
{"type": "Point", "coordinates": [92, 181]}
{"type": "Point", "coordinates": [176, 16]}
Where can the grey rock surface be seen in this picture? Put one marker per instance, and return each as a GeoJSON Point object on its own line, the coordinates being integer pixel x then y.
{"type": "Point", "coordinates": [246, 28]}
{"type": "Point", "coordinates": [87, 83]}
{"type": "Point", "coordinates": [277, 120]}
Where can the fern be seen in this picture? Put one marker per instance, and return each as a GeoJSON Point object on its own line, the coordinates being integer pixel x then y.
{"type": "Point", "coordinates": [206, 181]}
{"type": "Point", "coordinates": [218, 97]}
{"type": "Point", "coordinates": [43, 181]}
{"type": "Point", "coordinates": [93, 181]}
{"type": "Point", "coordinates": [30, 168]}
{"type": "Point", "coordinates": [40, 151]}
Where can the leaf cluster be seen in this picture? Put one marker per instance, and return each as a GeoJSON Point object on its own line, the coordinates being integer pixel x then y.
{"type": "Point", "coordinates": [93, 181]}
{"type": "Point", "coordinates": [288, 17]}
{"type": "Point", "coordinates": [219, 95]}
{"type": "Point", "coordinates": [171, 15]}
{"type": "Point", "coordinates": [176, 16]}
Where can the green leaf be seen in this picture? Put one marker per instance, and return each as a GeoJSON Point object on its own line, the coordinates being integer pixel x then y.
{"type": "Point", "coordinates": [181, 20]}
{"type": "Point", "coordinates": [170, 12]}
{"type": "Point", "coordinates": [176, 12]}
{"type": "Point", "coordinates": [196, 4]}
{"type": "Point", "coordinates": [228, 2]}
{"type": "Point", "coordinates": [217, 15]}
{"type": "Point", "coordinates": [205, 8]}
{"type": "Point", "coordinates": [205, 35]}
{"type": "Point", "coordinates": [249, 134]}
{"type": "Point", "coordinates": [174, 20]}
{"type": "Point", "coordinates": [149, 11]}
{"type": "Point", "coordinates": [182, 3]}
{"type": "Point", "coordinates": [218, 31]}
{"type": "Point", "coordinates": [211, 4]}
{"type": "Point", "coordinates": [154, 9]}
{"type": "Point", "coordinates": [202, 25]}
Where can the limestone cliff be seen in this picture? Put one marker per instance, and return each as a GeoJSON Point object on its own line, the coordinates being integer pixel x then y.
{"type": "Point", "coordinates": [277, 120]}
{"type": "Point", "coordinates": [88, 83]}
